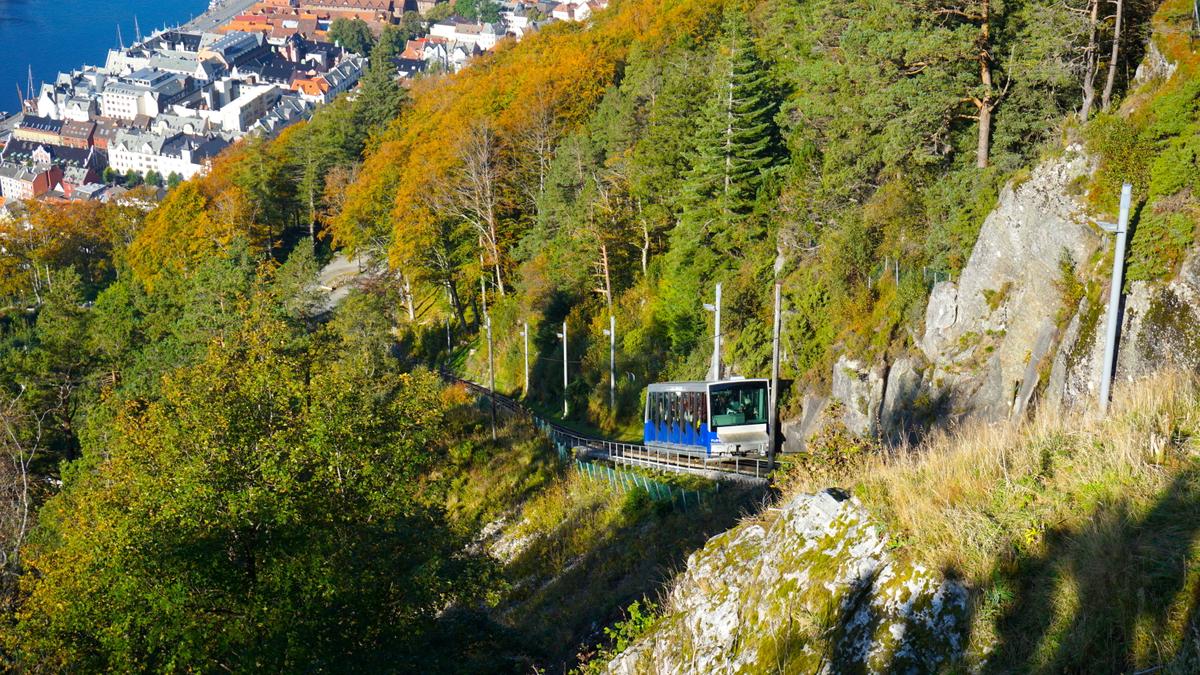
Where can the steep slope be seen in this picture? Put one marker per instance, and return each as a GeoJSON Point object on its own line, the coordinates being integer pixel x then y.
{"type": "Point", "coordinates": [1068, 544]}
{"type": "Point", "coordinates": [1023, 321]}
{"type": "Point", "coordinates": [813, 588]}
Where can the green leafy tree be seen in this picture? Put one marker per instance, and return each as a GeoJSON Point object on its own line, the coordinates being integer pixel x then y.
{"type": "Point", "coordinates": [352, 34]}
{"type": "Point", "coordinates": [736, 141]}
{"type": "Point", "coordinates": [264, 513]}
{"type": "Point", "coordinates": [440, 12]}
{"type": "Point", "coordinates": [393, 38]}
{"type": "Point", "coordinates": [174, 179]}
{"type": "Point", "coordinates": [477, 10]}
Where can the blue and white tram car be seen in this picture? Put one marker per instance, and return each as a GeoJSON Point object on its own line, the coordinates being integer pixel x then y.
{"type": "Point", "coordinates": [713, 419]}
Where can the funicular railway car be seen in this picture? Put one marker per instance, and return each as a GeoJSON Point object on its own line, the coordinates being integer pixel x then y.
{"type": "Point", "coordinates": [727, 418]}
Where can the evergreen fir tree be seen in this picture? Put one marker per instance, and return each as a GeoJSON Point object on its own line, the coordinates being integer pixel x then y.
{"type": "Point", "coordinates": [380, 96]}
{"type": "Point", "coordinates": [736, 140]}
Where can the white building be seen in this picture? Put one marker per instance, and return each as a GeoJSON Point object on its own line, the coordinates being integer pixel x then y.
{"type": "Point", "coordinates": [250, 106]}
{"type": "Point", "coordinates": [144, 151]}
{"type": "Point", "coordinates": [485, 35]}
{"type": "Point", "coordinates": [144, 92]}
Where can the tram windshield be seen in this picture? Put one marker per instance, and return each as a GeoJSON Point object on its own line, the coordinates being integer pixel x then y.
{"type": "Point", "coordinates": [738, 403]}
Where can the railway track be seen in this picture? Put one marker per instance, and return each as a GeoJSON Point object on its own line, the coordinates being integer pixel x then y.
{"type": "Point", "coordinates": [738, 469]}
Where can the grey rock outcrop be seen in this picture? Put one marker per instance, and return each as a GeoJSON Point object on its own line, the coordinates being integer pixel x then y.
{"type": "Point", "coordinates": [1154, 66]}
{"type": "Point", "coordinates": [796, 432]}
{"type": "Point", "coordinates": [986, 333]}
{"type": "Point", "coordinates": [859, 390]}
{"type": "Point", "coordinates": [902, 410]}
{"type": "Point", "coordinates": [1160, 328]}
{"type": "Point", "coordinates": [766, 594]}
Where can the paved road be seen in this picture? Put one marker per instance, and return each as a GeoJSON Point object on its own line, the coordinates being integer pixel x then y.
{"type": "Point", "coordinates": [221, 15]}
{"type": "Point", "coordinates": [339, 276]}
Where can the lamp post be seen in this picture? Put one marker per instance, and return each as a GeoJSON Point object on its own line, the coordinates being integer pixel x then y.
{"type": "Point", "coordinates": [611, 332]}
{"type": "Point", "coordinates": [563, 336]}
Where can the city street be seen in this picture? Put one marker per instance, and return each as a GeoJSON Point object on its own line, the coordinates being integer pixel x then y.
{"type": "Point", "coordinates": [215, 18]}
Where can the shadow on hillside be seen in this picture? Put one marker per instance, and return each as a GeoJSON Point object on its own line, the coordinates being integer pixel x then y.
{"type": "Point", "coordinates": [1103, 598]}
{"type": "Point", "coordinates": [564, 609]}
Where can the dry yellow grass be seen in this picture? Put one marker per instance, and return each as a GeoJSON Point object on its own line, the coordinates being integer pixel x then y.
{"type": "Point", "coordinates": [1077, 533]}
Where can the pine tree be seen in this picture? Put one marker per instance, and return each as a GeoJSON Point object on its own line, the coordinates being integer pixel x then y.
{"type": "Point", "coordinates": [736, 141]}
{"type": "Point", "coordinates": [380, 97]}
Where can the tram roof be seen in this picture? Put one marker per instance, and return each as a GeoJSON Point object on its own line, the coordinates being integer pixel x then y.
{"type": "Point", "coordinates": [699, 385]}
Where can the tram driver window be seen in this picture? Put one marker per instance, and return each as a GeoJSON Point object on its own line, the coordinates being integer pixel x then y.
{"type": "Point", "coordinates": [738, 404]}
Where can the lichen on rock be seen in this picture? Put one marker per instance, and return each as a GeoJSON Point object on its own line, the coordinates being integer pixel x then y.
{"type": "Point", "coordinates": [816, 590]}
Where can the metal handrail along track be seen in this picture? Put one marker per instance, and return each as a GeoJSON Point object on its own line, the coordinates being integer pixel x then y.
{"type": "Point", "coordinates": [631, 454]}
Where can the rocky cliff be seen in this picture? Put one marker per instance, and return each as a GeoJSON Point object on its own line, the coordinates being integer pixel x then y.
{"type": "Point", "coordinates": [811, 589]}
{"type": "Point", "coordinates": [998, 339]}
{"type": "Point", "coordinates": [990, 334]}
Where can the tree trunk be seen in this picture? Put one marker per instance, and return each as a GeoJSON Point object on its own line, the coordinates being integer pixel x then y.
{"type": "Point", "coordinates": [455, 302]}
{"type": "Point", "coordinates": [985, 75]}
{"type": "Point", "coordinates": [1091, 64]}
{"type": "Point", "coordinates": [499, 281]}
{"type": "Point", "coordinates": [408, 297]}
{"type": "Point", "coordinates": [645, 246]}
{"type": "Point", "coordinates": [1106, 99]}
{"type": "Point", "coordinates": [985, 132]}
{"type": "Point", "coordinates": [604, 271]}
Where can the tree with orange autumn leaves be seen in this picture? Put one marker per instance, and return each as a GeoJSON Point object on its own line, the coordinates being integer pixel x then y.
{"type": "Point", "coordinates": [455, 180]}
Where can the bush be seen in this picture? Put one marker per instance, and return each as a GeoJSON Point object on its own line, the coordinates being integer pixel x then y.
{"type": "Point", "coordinates": [1160, 240]}
{"type": "Point", "coordinates": [640, 619]}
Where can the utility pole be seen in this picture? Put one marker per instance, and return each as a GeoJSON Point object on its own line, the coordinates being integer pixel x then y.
{"type": "Point", "coordinates": [1114, 297]}
{"type": "Point", "coordinates": [714, 372]}
{"type": "Point", "coordinates": [525, 335]}
{"type": "Point", "coordinates": [773, 429]}
{"type": "Point", "coordinates": [491, 375]}
{"type": "Point", "coordinates": [563, 335]}
{"type": "Point", "coordinates": [611, 332]}
{"type": "Point", "coordinates": [483, 293]}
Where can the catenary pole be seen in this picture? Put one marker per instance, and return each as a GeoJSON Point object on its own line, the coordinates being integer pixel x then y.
{"type": "Point", "coordinates": [525, 336]}
{"type": "Point", "coordinates": [483, 293]}
{"type": "Point", "coordinates": [1114, 299]}
{"type": "Point", "coordinates": [491, 375]}
{"type": "Point", "coordinates": [612, 362]}
{"type": "Point", "coordinates": [566, 383]}
{"type": "Point", "coordinates": [774, 417]}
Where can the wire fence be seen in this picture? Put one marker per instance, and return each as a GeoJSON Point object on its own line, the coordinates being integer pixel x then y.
{"type": "Point", "coordinates": [659, 492]}
{"type": "Point", "coordinates": [891, 270]}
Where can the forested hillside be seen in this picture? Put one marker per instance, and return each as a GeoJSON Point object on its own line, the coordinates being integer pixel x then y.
{"type": "Point", "coordinates": [209, 467]}
{"type": "Point", "coordinates": [629, 168]}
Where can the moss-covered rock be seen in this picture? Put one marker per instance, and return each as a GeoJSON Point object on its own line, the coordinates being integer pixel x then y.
{"type": "Point", "coordinates": [815, 590]}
